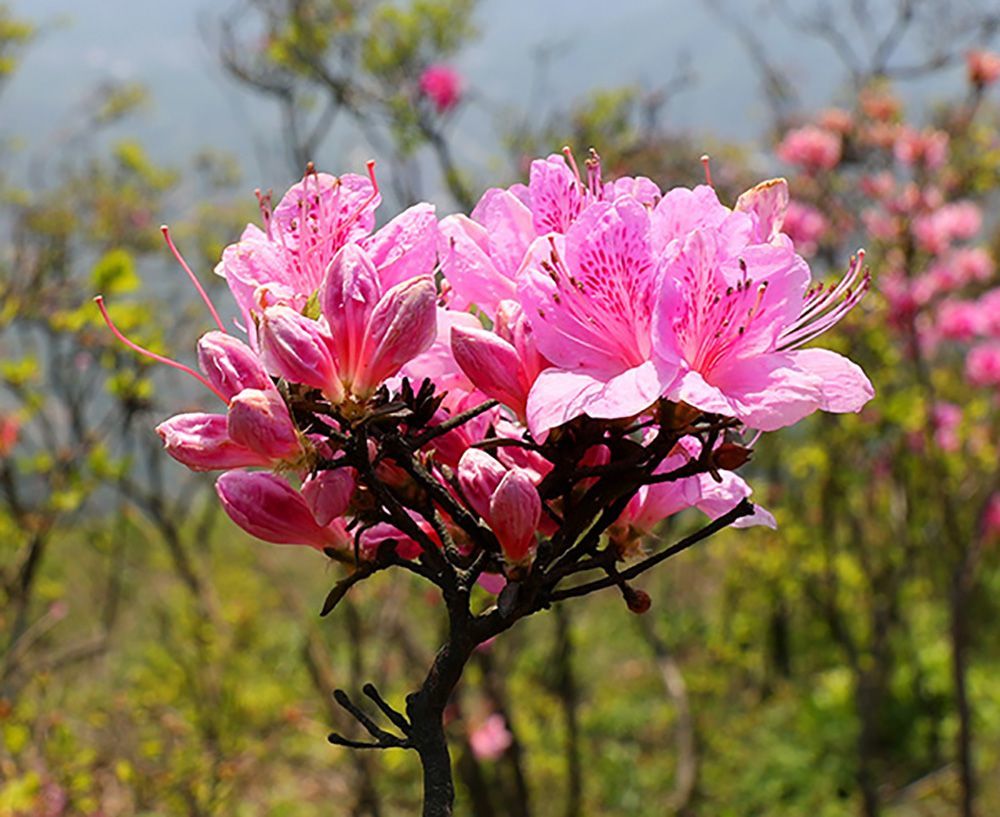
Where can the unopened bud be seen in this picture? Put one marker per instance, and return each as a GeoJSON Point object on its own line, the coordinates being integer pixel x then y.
{"type": "Point", "coordinates": [730, 456]}
{"type": "Point", "coordinates": [638, 601]}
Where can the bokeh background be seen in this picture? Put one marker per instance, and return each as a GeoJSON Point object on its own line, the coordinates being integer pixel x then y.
{"type": "Point", "coordinates": [154, 661]}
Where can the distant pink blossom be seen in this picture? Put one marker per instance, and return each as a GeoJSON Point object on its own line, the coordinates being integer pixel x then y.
{"type": "Point", "coordinates": [946, 418]}
{"type": "Point", "coordinates": [805, 225]}
{"type": "Point", "coordinates": [983, 67]}
{"type": "Point", "coordinates": [960, 320]}
{"type": "Point", "coordinates": [491, 738]}
{"type": "Point", "coordinates": [442, 85]}
{"type": "Point", "coordinates": [836, 120]}
{"type": "Point", "coordinates": [928, 147]}
{"type": "Point", "coordinates": [957, 221]}
{"type": "Point", "coordinates": [982, 365]}
{"type": "Point", "coordinates": [10, 432]}
{"type": "Point", "coordinates": [811, 148]}
{"type": "Point", "coordinates": [991, 516]}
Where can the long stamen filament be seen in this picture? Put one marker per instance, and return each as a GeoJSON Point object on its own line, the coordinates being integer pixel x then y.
{"type": "Point", "coordinates": [194, 279]}
{"type": "Point", "coordinates": [706, 162]}
{"type": "Point", "coordinates": [99, 300]}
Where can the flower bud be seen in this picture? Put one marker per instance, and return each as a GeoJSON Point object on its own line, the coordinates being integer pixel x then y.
{"type": "Point", "coordinates": [328, 493]}
{"type": "Point", "coordinates": [515, 510]}
{"type": "Point", "coordinates": [638, 601]}
{"type": "Point", "coordinates": [402, 326]}
{"type": "Point", "coordinates": [492, 364]}
{"type": "Point", "coordinates": [267, 507]}
{"type": "Point", "coordinates": [259, 420]}
{"type": "Point", "coordinates": [230, 365]}
{"type": "Point", "coordinates": [202, 443]}
{"type": "Point", "coordinates": [296, 348]}
{"type": "Point", "coordinates": [479, 474]}
{"type": "Point", "coordinates": [347, 298]}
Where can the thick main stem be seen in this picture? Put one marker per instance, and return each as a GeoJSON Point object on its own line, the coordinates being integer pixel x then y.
{"type": "Point", "coordinates": [425, 709]}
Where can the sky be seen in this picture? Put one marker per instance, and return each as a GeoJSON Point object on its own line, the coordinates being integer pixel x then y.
{"type": "Point", "coordinates": [168, 46]}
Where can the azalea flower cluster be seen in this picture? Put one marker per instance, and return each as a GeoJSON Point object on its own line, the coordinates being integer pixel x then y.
{"type": "Point", "coordinates": [576, 357]}
{"type": "Point", "coordinates": [938, 278]}
{"type": "Point", "coordinates": [913, 191]}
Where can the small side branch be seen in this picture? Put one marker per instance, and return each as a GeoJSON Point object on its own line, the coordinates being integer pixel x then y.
{"type": "Point", "coordinates": [745, 508]}
{"type": "Point", "coordinates": [382, 738]}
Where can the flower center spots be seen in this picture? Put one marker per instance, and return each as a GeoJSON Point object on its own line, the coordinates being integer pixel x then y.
{"type": "Point", "coordinates": [715, 318]}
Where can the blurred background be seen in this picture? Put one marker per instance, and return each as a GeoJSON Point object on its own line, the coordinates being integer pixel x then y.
{"type": "Point", "coordinates": [155, 661]}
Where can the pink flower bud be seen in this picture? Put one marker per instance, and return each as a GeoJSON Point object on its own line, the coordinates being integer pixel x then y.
{"type": "Point", "coordinates": [202, 443]}
{"type": "Point", "coordinates": [259, 420]}
{"type": "Point", "coordinates": [402, 326]}
{"type": "Point", "coordinates": [267, 507]}
{"type": "Point", "coordinates": [347, 298]}
{"type": "Point", "coordinates": [230, 365]}
{"type": "Point", "coordinates": [328, 493]}
{"type": "Point", "coordinates": [479, 474]}
{"type": "Point", "coordinates": [297, 349]}
{"type": "Point", "coordinates": [515, 510]}
{"type": "Point", "coordinates": [492, 365]}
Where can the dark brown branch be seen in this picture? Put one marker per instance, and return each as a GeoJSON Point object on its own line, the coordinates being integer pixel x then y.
{"type": "Point", "coordinates": [745, 508]}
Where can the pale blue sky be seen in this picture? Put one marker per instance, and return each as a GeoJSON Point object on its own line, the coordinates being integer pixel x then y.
{"type": "Point", "coordinates": [163, 44]}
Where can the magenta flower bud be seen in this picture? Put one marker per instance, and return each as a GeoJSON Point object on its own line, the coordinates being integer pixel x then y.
{"type": "Point", "coordinates": [402, 326]}
{"type": "Point", "coordinates": [479, 474]}
{"type": "Point", "coordinates": [328, 493]}
{"type": "Point", "coordinates": [230, 365]}
{"type": "Point", "coordinates": [515, 511]}
{"type": "Point", "coordinates": [267, 507]}
{"type": "Point", "coordinates": [259, 420]}
{"type": "Point", "coordinates": [297, 349]}
{"type": "Point", "coordinates": [492, 364]}
{"type": "Point", "coordinates": [347, 298]}
{"type": "Point", "coordinates": [202, 443]}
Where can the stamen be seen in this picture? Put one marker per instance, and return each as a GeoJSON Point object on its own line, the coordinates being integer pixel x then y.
{"type": "Point", "coordinates": [594, 173]}
{"type": "Point", "coordinates": [370, 164]}
{"type": "Point", "coordinates": [99, 300]}
{"type": "Point", "coordinates": [194, 279]}
{"type": "Point", "coordinates": [264, 203]}
{"type": "Point", "coordinates": [706, 162]}
{"type": "Point", "coordinates": [568, 153]}
{"type": "Point", "coordinates": [825, 307]}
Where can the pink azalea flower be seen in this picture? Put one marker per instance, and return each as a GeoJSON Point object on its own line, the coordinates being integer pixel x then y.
{"type": "Point", "coordinates": [734, 322]}
{"type": "Point", "coordinates": [442, 85]}
{"type": "Point", "coordinates": [286, 262]}
{"type": "Point", "coordinates": [811, 148]}
{"type": "Point", "coordinates": [589, 297]}
{"type": "Point", "coordinates": [659, 501]}
{"type": "Point", "coordinates": [481, 255]}
{"type": "Point", "coordinates": [491, 739]}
